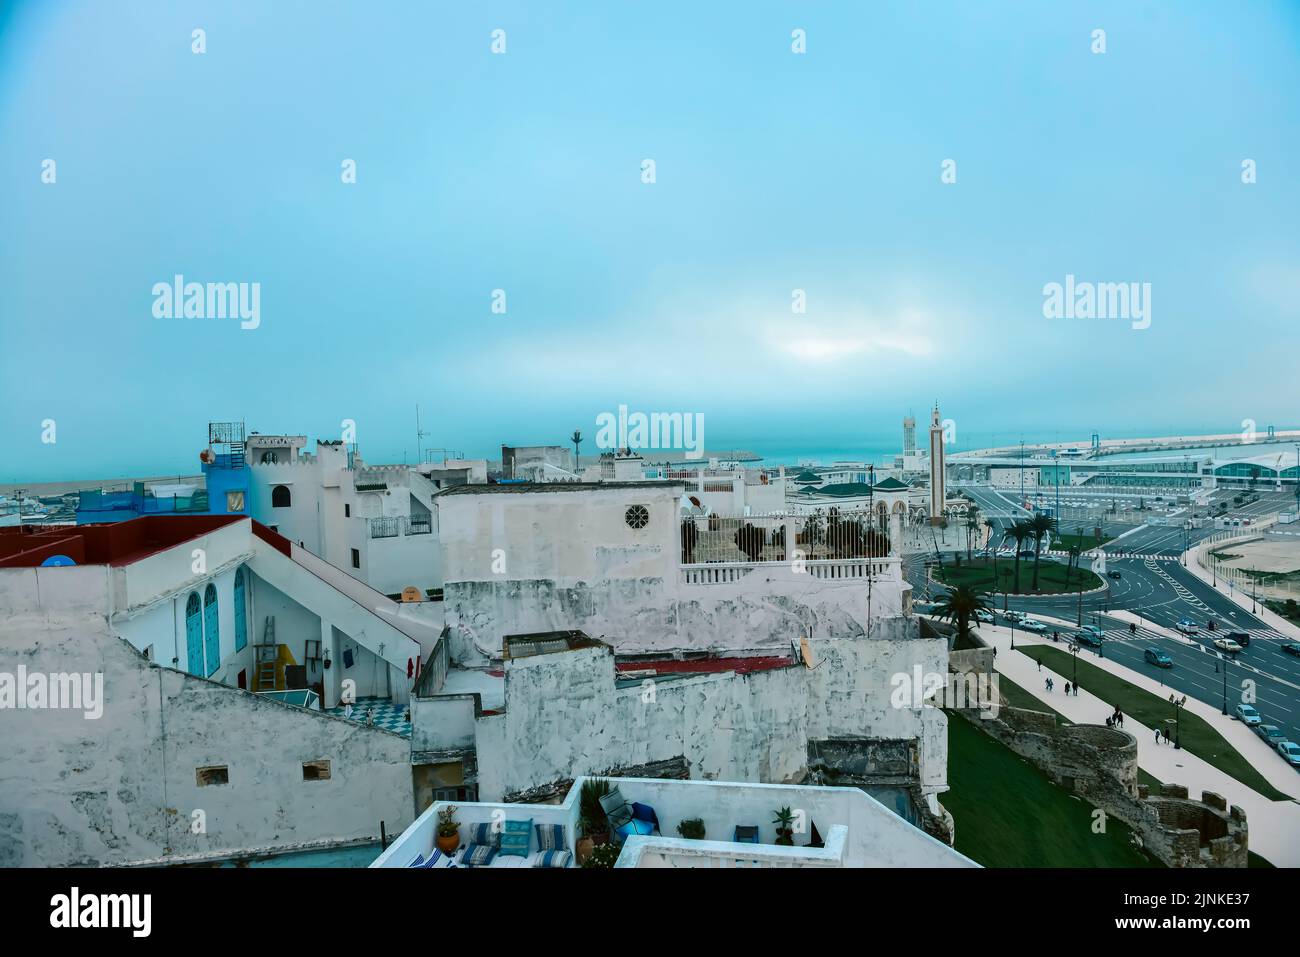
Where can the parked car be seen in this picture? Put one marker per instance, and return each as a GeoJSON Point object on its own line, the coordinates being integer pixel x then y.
{"type": "Point", "coordinates": [1186, 626]}
{"type": "Point", "coordinates": [1240, 637]}
{"type": "Point", "coordinates": [1290, 753]}
{"type": "Point", "coordinates": [1026, 553]}
{"type": "Point", "coordinates": [1014, 615]}
{"type": "Point", "coordinates": [1037, 627]}
{"type": "Point", "coordinates": [1248, 714]}
{"type": "Point", "coordinates": [982, 615]}
{"type": "Point", "coordinates": [1227, 645]}
{"type": "Point", "coordinates": [1087, 638]}
{"type": "Point", "coordinates": [1271, 734]}
{"type": "Point", "coordinates": [1158, 658]}
{"type": "Point", "coordinates": [1291, 648]}
{"type": "Point", "coordinates": [1114, 574]}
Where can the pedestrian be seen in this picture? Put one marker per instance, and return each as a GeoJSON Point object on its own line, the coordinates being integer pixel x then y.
{"type": "Point", "coordinates": [1048, 684]}
{"type": "Point", "coordinates": [995, 651]}
{"type": "Point", "coordinates": [1067, 689]}
{"type": "Point", "coordinates": [1157, 735]}
{"type": "Point", "coordinates": [1040, 664]}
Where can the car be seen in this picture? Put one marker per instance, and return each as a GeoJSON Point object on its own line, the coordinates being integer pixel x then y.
{"type": "Point", "coordinates": [1227, 645]}
{"type": "Point", "coordinates": [1248, 714]}
{"type": "Point", "coordinates": [1014, 615]}
{"type": "Point", "coordinates": [1037, 627]}
{"type": "Point", "coordinates": [1114, 575]}
{"type": "Point", "coordinates": [1240, 637]}
{"type": "Point", "coordinates": [983, 615]}
{"type": "Point", "coordinates": [1290, 753]}
{"type": "Point", "coordinates": [1158, 658]}
{"type": "Point", "coordinates": [1087, 638]}
{"type": "Point", "coordinates": [1026, 553]}
{"type": "Point", "coordinates": [1186, 626]}
{"type": "Point", "coordinates": [1095, 630]}
{"type": "Point", "coordinates": [1291, 648]}
{"type": "Point", "coordinates": [1271, 734]}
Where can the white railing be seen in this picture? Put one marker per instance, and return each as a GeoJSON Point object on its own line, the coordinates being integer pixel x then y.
{"type": "Point", "coordinates": [1241, 580]}
{"type": "Point", "coordinates": [721, 573]}
{"type": "Point", "coordinates": [639, 851]}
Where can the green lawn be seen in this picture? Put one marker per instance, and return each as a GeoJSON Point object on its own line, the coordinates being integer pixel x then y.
{"type": "Point", "coordinates": [1017, 697]}
{"type": "Point", "coordinates": [1197, 736]}
{"type": "Point", "coordinates": [978, 573]}
{"type": "Point", "coordinates": [1009, 814]}
{"type": "Point", "coordinates": [1065, 541]}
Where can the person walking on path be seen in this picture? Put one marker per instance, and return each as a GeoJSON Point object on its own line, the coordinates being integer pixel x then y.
{"type": "Point", "coordinates": [1040, 664]}
{"type": "Point", "coordinates": [1067, 689]}
{"type": "Point", "coordinates": [1157, 735]}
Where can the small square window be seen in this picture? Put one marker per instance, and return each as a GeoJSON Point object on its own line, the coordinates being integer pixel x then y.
{"type": "Point", "coordinates": [356, 558]}
{"type": "Point", "coordinates": [316, 770]}
{"type": "Point", "coordinates": [209, 776]}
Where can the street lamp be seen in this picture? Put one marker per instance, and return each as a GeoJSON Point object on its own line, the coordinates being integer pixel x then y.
{"type": "Point", "coordinates": [1224, 660]}
{"type": "Point", "coordinates": [1178, 704]}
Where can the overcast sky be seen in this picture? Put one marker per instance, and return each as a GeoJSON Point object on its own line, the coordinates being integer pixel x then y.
{"type": "Point", "coordinates": [775, 171]}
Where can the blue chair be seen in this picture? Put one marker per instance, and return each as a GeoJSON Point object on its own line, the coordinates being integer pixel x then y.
{"type": "Point", "coordinates": [627, 819]}
{"type": "Point", "coordinates": [745, 834]}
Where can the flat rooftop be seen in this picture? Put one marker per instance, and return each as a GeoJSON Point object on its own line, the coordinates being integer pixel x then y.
{"type": "Point", "coordinates": [115, 543]}
{"type": "Point", "coordinates": [519, 488]}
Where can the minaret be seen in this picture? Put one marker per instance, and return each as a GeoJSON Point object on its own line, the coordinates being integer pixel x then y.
{"type": "Point", "coordinates": [938, 494]}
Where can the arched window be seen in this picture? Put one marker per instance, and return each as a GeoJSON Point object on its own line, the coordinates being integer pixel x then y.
{"type": "Point", "coordinates": [241, 617]}
{"type": "Point", "coordinates": [280, 496]}
{"type": "Point", "coordinates": [194, 634]}
{"type": "Point", "coordinates": [211, 630]}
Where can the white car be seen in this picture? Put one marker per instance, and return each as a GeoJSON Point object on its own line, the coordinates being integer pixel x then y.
{"type": "Point", "coordinates": [983, 615]}
{"type": "Point", "coordinates": [1248, 715]}
{"type": "Point", "coordinates": [1186, 626]}
{"type": "Point", "coordinates": [1037, 627]}
{"type": "Point", "coordinates": [1228, 645]}
{"type": "Point", "coordinates": [1290, 753]}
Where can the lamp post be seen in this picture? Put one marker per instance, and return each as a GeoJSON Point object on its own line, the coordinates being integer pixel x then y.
{"type": "Point", "coordinates": [1223, 660]}
{"type": "Point", "coordinates": [1074, 651]}
{"type": "Point", "coordinates": [1178, 704]}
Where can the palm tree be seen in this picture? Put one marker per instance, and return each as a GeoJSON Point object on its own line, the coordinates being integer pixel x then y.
{"type": "Point", "coordinates": [960, 605]}
{"type": "Point", "coordinates": [988, 542]}
{"type": "Point", "coordinates": [576, 439]}
{"type": "Point", "coordinates": [1039, 526]}
{"type": "Point", "coordinates": [1021, 533]}
{"type": "Point", "coordinates": [972, 526]}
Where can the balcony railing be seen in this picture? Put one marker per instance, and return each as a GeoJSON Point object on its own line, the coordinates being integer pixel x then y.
{"type": "Point", "coordinates": [398, 525]}
{"type": "Point", "coordinates": [721, 573]}
{"type": "Point", "coordinates": [849, 533]}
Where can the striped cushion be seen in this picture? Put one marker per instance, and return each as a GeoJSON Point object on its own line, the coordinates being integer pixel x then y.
{"type": "Point", "coordinates": [550, 837]}
{"type": "Point", "coordinates": [436, 859]}
{"type": "Point", "coordinates": [478, 855]}
{"type": "Point", "coordinates": [483, 834]}
{"type": "Point", "coordinates": [551, 859]}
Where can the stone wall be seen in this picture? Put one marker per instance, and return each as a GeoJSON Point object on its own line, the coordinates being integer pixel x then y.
{"type": "Point", "coordinates": [1099, 764]}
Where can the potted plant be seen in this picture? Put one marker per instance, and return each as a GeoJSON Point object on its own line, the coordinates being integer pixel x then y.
{"type": "Point", "coordinates": [691, 829]}
{"type": "Point", "coordinates": [603, 856]}
{"type": "Point", "coordinates": [448, 838]}
{"type": "Point", "coordinates": [784, 822]}
{"type": "Point", "coordinates": [591, 816]}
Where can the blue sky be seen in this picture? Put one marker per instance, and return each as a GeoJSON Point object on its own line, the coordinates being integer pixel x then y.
{"type": "Point", "coordinates": [522, 172]}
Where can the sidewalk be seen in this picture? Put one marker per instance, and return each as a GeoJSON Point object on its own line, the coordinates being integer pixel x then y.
{"type": "Point", "coordinates": [1274, 825]}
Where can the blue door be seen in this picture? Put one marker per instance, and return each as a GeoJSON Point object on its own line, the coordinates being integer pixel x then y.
{"type": "Point", "coordinates": [211, 630]}
{"type": "Point", "coordinates": [241, 622]}
{"type": "Point", "coordinates": [194, 634]}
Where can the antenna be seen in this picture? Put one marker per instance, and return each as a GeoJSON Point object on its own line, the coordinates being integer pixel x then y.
{"type": "Point", "coordinates": [419, 436]}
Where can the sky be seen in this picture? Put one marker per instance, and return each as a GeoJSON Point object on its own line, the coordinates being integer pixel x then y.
{"type": "Point", "coordinates": [524, 171]}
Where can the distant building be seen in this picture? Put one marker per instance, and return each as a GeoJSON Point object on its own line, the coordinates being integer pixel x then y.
{"type": "Point", "coordinates": [909, 435]}
{"type": "Point", "coordinates": [938, 486]}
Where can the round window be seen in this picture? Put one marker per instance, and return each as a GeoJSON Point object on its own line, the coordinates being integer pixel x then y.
{"type": "Point", "coordinates": [638, 516]}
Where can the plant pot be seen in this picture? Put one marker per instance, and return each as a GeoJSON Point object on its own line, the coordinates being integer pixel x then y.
{"type": "Point", "coordinates": [448, 844]}
{"type": "Point", "coordinates": [582, 850]}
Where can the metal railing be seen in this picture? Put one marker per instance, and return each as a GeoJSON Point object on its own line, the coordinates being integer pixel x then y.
{"type": "Point", "coordinates": [823, 534]}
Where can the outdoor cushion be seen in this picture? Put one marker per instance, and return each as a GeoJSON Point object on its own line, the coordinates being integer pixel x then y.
{"type": "Point", "coordinates": [435, 859]}
{"type": "Point", "coordinates": [483, 834]}
{"type": "Point", "coordinates": [477, 855]}
{"type": "Point", "coordinates": [515, 838]}
{"type": "Point", "coordinates": [550, 837]}
{"type": "Point", "coordinates": [634, 825]}
{"type": "Point", "coordinates": [645, 812]}
{"type": "Point", "coordinates": [551, 859]}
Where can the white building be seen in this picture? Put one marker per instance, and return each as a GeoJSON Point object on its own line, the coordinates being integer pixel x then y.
{"type": "Point", "coordinates": [218, 644]}
{"type": "Point", "coordinates": [378, 523]}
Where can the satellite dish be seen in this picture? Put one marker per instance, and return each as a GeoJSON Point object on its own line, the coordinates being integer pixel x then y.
{"type": "Point", "coordinates": [57, 561]}
{"type": "Point", "coordinates": [206, 457]}
{"type": "Point", "coordinates": [411, 593]}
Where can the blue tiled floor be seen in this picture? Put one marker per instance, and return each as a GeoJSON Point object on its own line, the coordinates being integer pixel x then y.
{"type": "Point", "coordinates": [389, 716]}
